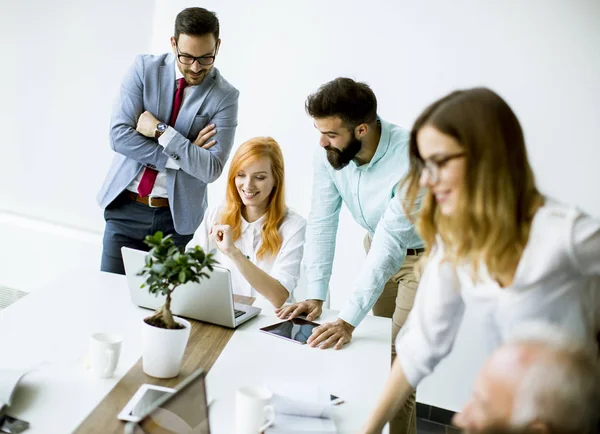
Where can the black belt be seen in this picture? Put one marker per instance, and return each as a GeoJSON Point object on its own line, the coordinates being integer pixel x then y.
{"type": "Point", "coordinates": [414, 252]}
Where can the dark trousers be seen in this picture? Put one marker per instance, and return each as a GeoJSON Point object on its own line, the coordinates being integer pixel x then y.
{"type": "Point", "coordinates": [127, 224]}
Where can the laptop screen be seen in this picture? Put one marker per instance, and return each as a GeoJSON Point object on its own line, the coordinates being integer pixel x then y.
{"type": "Point", "coordinates": [183, 412]}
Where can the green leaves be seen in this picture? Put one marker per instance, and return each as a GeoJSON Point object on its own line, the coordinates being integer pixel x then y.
{"type": "Point", "coordinates": [167, 267]}
{"type": "Point", "coordinates": [157, 268]}
{"type": "Point", "coordinates": [198, 254]}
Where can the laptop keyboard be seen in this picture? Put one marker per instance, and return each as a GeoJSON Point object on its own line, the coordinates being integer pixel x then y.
{"type": "Point", "coordinates": [238, 313]}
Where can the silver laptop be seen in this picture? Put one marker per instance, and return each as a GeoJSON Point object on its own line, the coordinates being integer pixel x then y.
{"type": "Point", "coordinates": [210, 301]}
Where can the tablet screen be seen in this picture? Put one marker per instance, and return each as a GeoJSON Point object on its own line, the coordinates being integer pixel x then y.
{"type": "Point", "coordinates": [182, 412]}
{"type": "Point", "coordinates": [147, 401]}
{"type": "Point", "coordinates": [297, 329]}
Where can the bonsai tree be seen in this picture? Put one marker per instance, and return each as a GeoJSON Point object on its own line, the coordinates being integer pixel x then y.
{"type": "Point", "coordinates": [168, 267]}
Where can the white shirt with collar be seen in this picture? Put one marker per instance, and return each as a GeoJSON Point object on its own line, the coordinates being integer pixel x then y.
{"type": "Point", "coordinates": [284, 266]}
{"type": "Point", "coordinates": [160, 184]}
{"type": "Point", "coordinates": [557, 281]}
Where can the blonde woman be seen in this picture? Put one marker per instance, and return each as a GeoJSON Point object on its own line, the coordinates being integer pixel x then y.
{"type": "Point", "coordinates": [253, 233]}
{"type": "Point", "coordinates": [493, 241]}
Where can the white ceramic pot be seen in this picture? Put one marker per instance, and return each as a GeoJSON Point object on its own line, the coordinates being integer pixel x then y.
{"type": "Point", "coordinates": [162, 349]}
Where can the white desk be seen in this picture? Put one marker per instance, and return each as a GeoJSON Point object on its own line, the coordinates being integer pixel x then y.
{"type": "Point", "coordinates": [357, 373]}
{"type": "Point", "coordinates": [50, 328]}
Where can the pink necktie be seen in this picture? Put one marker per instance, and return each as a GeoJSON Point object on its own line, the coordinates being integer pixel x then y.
{"type": "Point", "coordinates": [149, 176]}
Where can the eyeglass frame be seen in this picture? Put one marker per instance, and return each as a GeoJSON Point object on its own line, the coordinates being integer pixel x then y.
{"type": "Point", "coordinates": [433, 167]}
{"type": "Point", "coordinates": [197, 59]}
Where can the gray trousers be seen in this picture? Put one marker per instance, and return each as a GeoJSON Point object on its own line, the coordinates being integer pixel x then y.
{"type": "Point", "coordinates": [127, 224]}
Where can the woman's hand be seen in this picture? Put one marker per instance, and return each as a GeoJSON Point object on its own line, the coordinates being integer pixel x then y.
{"type": "Point", "coordinates": [223, 239]}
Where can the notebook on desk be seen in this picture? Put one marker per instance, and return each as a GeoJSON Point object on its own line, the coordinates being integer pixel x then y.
{"type": "Point", "coordinates": [210, 300]}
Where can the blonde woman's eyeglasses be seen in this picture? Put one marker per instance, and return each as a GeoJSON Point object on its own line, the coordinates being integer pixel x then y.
{"type": "Point", "coordinates": [434, 166]}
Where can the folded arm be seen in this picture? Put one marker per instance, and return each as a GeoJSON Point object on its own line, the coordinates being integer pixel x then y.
{"type": "Point", "coordinates": [124, 138]}
{"type": "Point", "coordinates": [202, 163]}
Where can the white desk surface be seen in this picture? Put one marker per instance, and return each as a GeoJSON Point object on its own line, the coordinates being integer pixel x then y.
{"type": "Point", "coordinates": [357, 373]}
{"type": "Point", "coordinates": [49, 330]}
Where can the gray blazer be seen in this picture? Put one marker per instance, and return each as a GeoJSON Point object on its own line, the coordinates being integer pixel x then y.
{"type": "Point", "coordinates": [150, 85]}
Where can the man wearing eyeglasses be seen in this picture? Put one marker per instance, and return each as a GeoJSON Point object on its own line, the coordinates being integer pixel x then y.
{"type": "Point", "coordinates": [172, 129]}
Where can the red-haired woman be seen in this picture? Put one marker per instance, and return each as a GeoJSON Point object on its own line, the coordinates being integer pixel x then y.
{"type": "Point", "coordinates": [257, 237]}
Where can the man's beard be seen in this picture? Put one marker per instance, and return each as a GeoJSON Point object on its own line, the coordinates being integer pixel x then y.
{"type": "Point", "coordinates": [340, 159]}
{"type": "Point", "coordinates": [196, 80]}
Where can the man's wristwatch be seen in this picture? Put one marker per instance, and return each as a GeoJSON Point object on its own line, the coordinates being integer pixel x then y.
{"type": "Point", "coordinates": [161, 127]}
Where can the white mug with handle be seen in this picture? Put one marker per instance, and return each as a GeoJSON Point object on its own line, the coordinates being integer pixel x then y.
{"type": "Point", "coordinates": [253, 412]}
{"type": "Point", "coordinates": [105, 349]}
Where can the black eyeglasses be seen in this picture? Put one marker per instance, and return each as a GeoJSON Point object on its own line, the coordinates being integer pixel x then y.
{"type": "Point", "coordinates": [186, 59]}
{"type": "Point", "coordinates": [433, 167]}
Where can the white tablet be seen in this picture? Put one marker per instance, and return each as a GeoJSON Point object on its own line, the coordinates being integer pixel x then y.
{"type": "Point", "coordinates": [143, 401]}
{"type": "Point", "coordinates": [183, 411]}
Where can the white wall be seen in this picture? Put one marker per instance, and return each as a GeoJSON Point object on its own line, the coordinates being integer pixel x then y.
{"type": "Point", "coordinates": [35, 253]}
{"type": "Point", "coordinates": [541, 55]}
{"type": "Point", "coordinates": [63, 64]}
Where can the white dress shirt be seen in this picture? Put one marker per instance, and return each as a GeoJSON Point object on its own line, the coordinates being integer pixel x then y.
{"type": "Point", "coordinates": [160, 184]}
{"type": "Point", "coordinates": [557, 281]}
{"type": "Point", "coordinates": [285, 266]}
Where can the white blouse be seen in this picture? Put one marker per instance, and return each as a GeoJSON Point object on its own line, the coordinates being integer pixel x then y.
{"type": "Point", "coordinates": [557, 281]}
{"type": "Point", "coordinates": [285, 266]}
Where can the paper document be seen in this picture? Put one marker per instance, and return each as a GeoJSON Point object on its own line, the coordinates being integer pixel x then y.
{"type": "Point", "coordinates": [300, 399]}
{"type": "Point", "coordinates": [301, 408]}
{"type": "Point", "coordinates": [288, 424]}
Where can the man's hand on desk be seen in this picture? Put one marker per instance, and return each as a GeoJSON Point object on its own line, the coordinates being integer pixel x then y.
{"type": "Point", "coordinates": [331, 334]}
{"type": "Point", "coordinates": [312, 309]}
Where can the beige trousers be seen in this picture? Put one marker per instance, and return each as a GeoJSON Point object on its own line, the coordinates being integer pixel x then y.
{"type": "Point", "coordinates": [395, 302]}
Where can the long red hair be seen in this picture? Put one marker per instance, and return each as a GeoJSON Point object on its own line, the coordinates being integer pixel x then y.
{"type": "Point", "coordinates": [231, 215]}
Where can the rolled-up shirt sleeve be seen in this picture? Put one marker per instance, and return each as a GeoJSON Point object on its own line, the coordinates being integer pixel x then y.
{"type": "Point", "coordinates": [431, 328]}
{"type": "Point", "coordinates": [287, 265]}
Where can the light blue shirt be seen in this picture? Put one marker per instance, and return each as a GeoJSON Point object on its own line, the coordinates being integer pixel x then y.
{"type": "Point", "coordinates": [369, 193]}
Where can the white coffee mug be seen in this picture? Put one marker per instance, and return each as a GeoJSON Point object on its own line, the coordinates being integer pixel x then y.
{"type": "Point", "coordinates": [105, 349]}
{"type": "Point", "coordinates": [253, 413]}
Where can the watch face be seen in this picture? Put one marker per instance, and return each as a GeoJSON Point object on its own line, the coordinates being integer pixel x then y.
{"type": "Point", "coordinates": [161, 127]}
